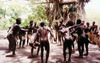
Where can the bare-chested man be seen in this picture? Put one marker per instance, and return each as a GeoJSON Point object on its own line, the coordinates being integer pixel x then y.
{"type": "Point", "coordinates": [35, 28]}
{"type": "Point", "coordinates": [93, 31]}
{"type": "Point", "coordinates": [60, 36]}
{"type": "Point", "coordinates": [12, 35]}
{"type": "Point", "coordinates": [81, 37]}
{"type": "Point", "coordinates": [22, 34]}
{"type": "Point", "coordinates": [30, 31]}
{"type": "Point", "coordinates": [86, 41]}
{"type": "Point", "coordinates": [34, 40]}
{"type": "Point", "coordinates": [43, 33]}
{"type": "Point", "coordinates": [68, 40]}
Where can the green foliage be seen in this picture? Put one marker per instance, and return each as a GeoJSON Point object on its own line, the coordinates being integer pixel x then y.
{"type": "Point", "coordinates": [6, 23]}
{"type": "Point", "coordinates": [1, 11]}
{"type": "Point", "coordinates": [26, 11]}
{"type": "Point", "coordinates": [40, 13]}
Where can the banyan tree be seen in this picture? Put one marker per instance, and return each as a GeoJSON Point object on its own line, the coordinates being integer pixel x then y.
{"type": "Point", "coordinates": [65, 10]}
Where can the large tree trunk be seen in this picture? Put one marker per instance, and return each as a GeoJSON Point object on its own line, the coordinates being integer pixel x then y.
{"type": "Point", "coordinates": [54, 13]}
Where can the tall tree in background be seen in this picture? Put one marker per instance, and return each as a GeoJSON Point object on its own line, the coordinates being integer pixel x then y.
{"type": "Point", "coordinates": [56, 12]}
{"type": "Point", "coordinates": [81, 9]}
{"type": "Point", "coordinates": [53, 13]}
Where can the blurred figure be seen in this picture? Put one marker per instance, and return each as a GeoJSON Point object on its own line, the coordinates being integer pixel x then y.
{"type": "Point", "coordinates": [79, 30]}
{"type": "Point", "coordinates": [30, 31]}
{"type": "Point", "coordinates": [93, 31]}
{"type": "Point", "coordinates": [12, 35]}
{"type": "Point", "coordinates": [34, 40]}
{"type": "Point", "coordinates": [60, 36]}
{"type": "Point", "coordinates": [44, 42]}
{"type": "Point", "coordinates": [56, 30]}
{"type": "Point", "coordinates": [87, 40]}
{"type": "Point", "coordinates": [22, 34]}
{"type": "Point", "coordinates": [68, 42]}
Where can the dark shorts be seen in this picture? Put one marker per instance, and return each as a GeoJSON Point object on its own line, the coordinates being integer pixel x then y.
{"type": "Point", "coordinates": [12, 42]}
{"type": "Point", "coordinates": [45, 44]}
{"type": "Point", "coordinates": [68, 43]}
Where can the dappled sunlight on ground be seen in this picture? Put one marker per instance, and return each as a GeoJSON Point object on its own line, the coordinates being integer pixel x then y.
{"type": "Point", "coordinates": [56, 54]}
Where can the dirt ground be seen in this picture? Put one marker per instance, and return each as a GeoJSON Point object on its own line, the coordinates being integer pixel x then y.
{"type": "Point", "coordinates": [56, 53]}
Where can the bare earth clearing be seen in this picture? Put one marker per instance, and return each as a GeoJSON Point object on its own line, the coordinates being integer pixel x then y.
{"type": "Point", "coordinates": [56, 54]}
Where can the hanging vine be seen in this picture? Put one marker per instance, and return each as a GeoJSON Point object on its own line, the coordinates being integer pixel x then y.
{"type": "Point", "coordinates": [56, 12]}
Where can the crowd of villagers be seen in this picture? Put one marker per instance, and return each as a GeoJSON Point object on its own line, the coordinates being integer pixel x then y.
{"type": "Point", "coordinates": [40, 37]}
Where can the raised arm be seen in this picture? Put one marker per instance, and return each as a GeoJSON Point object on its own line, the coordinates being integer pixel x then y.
{"type": "Point", "coordinates": [50, 31]}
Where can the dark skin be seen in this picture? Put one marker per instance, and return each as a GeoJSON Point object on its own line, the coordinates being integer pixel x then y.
{"type": "Point", "coordinates": [22, 38]}
{"type": "Point", "coordinates": [56, 28]}
{"type": "Point", "coordinates": [38, 45]}
{"type": "Point", "coordinates": [43, 34]}
{"type": "Point", "coordinates": [74, 38]}
{"type": "Point", "coordinates": [80, 42]}
{"type": "Point", "coordinates": [86, 43]}
{"type": "Point", "coordinates": [67, 44]}
{"type": "Point", "coordinates": [60, 37]}
{"type": "Point", "coordinates": [35, 28]}
{"type": "Point", "coordinates": [79, 31]}
{"type": "Point", "coordinates": [86, 29]}
{"type": "Point", "coordinates": [93, 27]}
{"type": "Point", "coordinates": [12, 35]}
{"type": "Point", "coordinates": [93, 31]}
{"type": "Point", "coordinates": [30, 31]}
{"type": "Point", "coordinates": [35, 42]}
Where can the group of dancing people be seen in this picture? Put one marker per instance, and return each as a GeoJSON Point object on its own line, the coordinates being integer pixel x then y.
{"type": "Point", "coordinates": [38, 37]}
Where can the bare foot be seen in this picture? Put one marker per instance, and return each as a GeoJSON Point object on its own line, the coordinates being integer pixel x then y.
{"type": "Point", "coordinates": [85, 54]}
{"type": "Point", "coordinates": [8, 51]}
{"type": "Point", "coordinates": [31, 56]}
{"type": "Point", "coordinates": [10, 55]}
